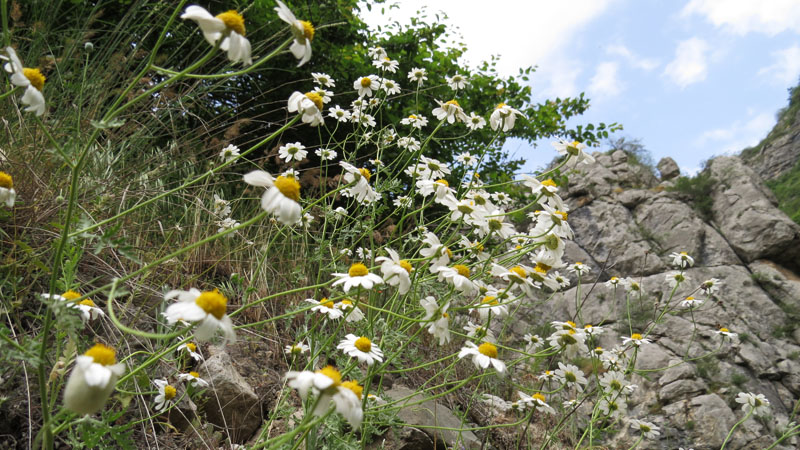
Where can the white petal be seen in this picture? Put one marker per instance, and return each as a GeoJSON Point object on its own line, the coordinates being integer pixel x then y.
{"type": "Point", "coordinates": [259, 178]}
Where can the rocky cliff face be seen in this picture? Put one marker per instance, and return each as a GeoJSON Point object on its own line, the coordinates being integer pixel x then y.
{"type": "Point", "coordinates": [780, 150]}
{"type": "Point", "coordinates": [627, 221]}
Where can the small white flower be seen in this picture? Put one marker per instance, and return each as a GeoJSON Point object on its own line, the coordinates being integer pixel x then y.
{"type": "Point", "coordinates": [229, 153]}
{"type": "Point", "coordinates": [579, 268]}
{"type": "Point", "coordinates": [649, 430]}
{"type": "Point", "coordinates": [456, 82]}
{"type": "Point", "coordinates": [325, 306]}
{"type": "Point", "coordinates": [503, 115]}
{"type": "Point", "coordinates": [613, 283]}
{"type": "Point", "coordinates": [226, 224]}
{"type": "Point", "coordinates": [92, 380]}
{"type": "Point", "coordinates": [726, 333]}
{"type": "Point", "coordinates": [193, 378]}
{"type": "Point", "coordinates": [479, 332]}
{"type": "Point", "coordinates": [31, 79]}
{"type": "Point", "coordinates": [342, 115]}
{"type": "Point", "coordinates": [758, 403]}
{"type": "Point", "coordinates": [327, 383]}
{"type": "Point", "coordinates": [691, 302]}
{"type": "Point", "coordinates": [570, 376]}
{"type": "Point", "coordinates": [574, 150]}
{"type": "Point", "coordinates": [228, 26]}
{"type": "Point", "coordinates": [681, 260]}
{"type": "Point", "coordinates": [386, 64]}
{"type": "Point", "coordinates": [483, 355]}
{"type": "Point", "coordinates": [450, 111]}
{"type": "Point", "coordinates": [295, 151]}
{"type": "Point", "coordinates": [7, 193]}
{"type": "Point", "coordinates": [351, 312]}
{"type": "Point", "coordinates": [438, 317]}
{"type": "Point", "coordinates": [221, 206]}
{"type": "Point", "coordinates": [408, 143]}
{"type": "Point", "coordinates": [296, 349]}
{"type": "Point", "coordinates": [636, 340]}
{"type": "Point", "coordinates": [309, 105]}
{"type": "Point", "coordinates": [281, 196]}
{"type": "Point", "coordinates": [207, 308]}
{"type": "Point", "coordinates": [357, 275]}
{"type": "Point", "coordinates": [396, 271]}
{"type": "Point", "coordinates": [475, 122]}
{"type": "Point", "coordinates": [674, 278]}
{"type": "Point", "coordinates": [367, 85]}
{"type": "Point", "coordinates": [536, 401]}
{"type": "Point", "coordinates": [361, 348]}
{"type": "Point", "coordinates": [302, 31]}
{"type": "Point", "coordinates": [166, 393]}
{"type": "Point", "coordinates": [418, 74]}
{"type": "Point", "coordinates": [191, 349]}
{"type": "Point", "coordinates": [323, 79]}
{"type": "Point", "coordinates": [376, 52]}
{"type": "Point", "coordinates": [467, 159]}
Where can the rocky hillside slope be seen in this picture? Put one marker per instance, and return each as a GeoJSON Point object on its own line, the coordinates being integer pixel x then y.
{"type": "Point", "coordinates": [627, 221]}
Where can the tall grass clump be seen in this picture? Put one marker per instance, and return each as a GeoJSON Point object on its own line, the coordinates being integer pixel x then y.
{"type": "Point", "coordinates": [159, 193]}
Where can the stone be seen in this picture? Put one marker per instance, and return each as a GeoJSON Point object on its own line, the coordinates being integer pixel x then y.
{"type": "Point", "coordinates": [668, 168]}
{"type": "Point", "coordinates": [404, 438]}
{"type": "Point", "coordinates": [745, 212]}
{"type": "Point", "coordinates": [712, 418]}
{"type": "Point", "coordinates": [780, 283]}
{"type": "Point", "coordinates": [231, 402]}
{"type": "Point", "coordinates": [681, 388]}
{"type": "Point", "coordinates": [630, 198]}
{"type": "Point", "coordinates": [430, 413]}
{"type": "Point", "coordinates": [781, 151]}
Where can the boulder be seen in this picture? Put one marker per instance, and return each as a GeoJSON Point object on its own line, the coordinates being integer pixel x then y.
{"type": "Point", "coordinates": [668, 168]}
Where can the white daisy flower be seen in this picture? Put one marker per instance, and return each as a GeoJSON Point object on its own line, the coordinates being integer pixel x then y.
{"type": "Point", "coordinates": [229, 153]}
{"type": "Point", "coordinates": [503, 115]}
{"type": "Point", "coordinates": [221, 207]}
{"type": "Point", "coordinates": [681, 260]}
{"type": "Point", "coordinates": [7, 193]}
{"type": "Point", "coordinates": [325, 306]}
{"type": "Point", "coordinates": [418, 74]}
{"type": "Point", "coordinates": [295, 151]}
{"type": "Point", "coordinates": [30, 79]}
{"type": "Point", "coordinates": [302, 30]}
{"type": "Point", "coordinates": [396, 271]}
{"type": "Point", "coordinates": [357, 275]}
{"type": "Point", "coordinates": [635, 340]}
{"type": "Point", "coordinates": [363, 119]}
{"type": "Point", "coordinates": [193, 378]}
{"type": "Point", "coordinates": [570, 376]}
{"type": "Point", "coordinates": [758, 403]}
{"type": "Point", "coordinates": [226, 224]}
{"type": "Point", "coordinates": [450, 111]}
{"type": "Point", "coordinates": [228, 26]}
{"type": "Point", "coordinates": [191, 349]}
{"type": "Point", "coordinates": [358, 183]}
{"type": "Point", "coordinates": [458, 276]}
{"type": "Point", "coordinates": [323, 79]}
{"type": "Point", "coordinates": [367, 85]}
{"type": "Point", "coordinates": [309, 105]}
{"type": "Point", "coordinates": [327, 383]}
{"type": "Point", "coordinates": [281, 196]}
{"type": "Point", "coordinates": [415, 120]}
{"type": "Point", "coordinates": [208, 308]}
{"type": "Point", "coordinates": [479, 332]}
{"type": "Point", "coordinates": [456, 82]}
{"type": "Point", "coordinates": [326, 154]}
{"type": "Point", "coordinates": [475, 122]}
{"type": "Point", "coordinates": [483, 355]}
{"type": "Point", "coordinates": [376, 52]}
{"type": "Point", "coordinates": [532, 342]}
{"type": "Point", "coordinates": [613, 282]}
{"type": "Point", "coordinates": [342, 115]}
{"type": "Point", "coordinates": [408, 143]}
{"type": "Point", "coordinates": [674, 278]}
{"type": "Point", "coordinates": [89, 311]}
{"type": "Point", "coordinates": [711, 286]}
{"type": "Point", "coordinates": [649, 430]}
{"type": "Point", "coordinates": [574, 150]}
{"type": "Point", "coordinates": [535, 401]}
{"type": "Point", "coordinates": [296, 349]}
{"type": "Point", "coordinates": [361, 348]}
{"type": "Point", "coordinates": [92, 380]}
{"type": "Point", "coordinates": [386, 64]}
{"type": "Point", "coordinates": [726, 333]}
{"type": "Point", "coordinates": [166, 393]}
{"type": "Point", "coordinates": [403, 201]}
{"type": "Point", "coordinates": [439, 319]}
{"type": "Point", "coordinates": [489, 304]}
{"type": "Point", "coordinates": [691, 302]}
{"type": "Point", "coordinates": [579, 268]}
{"type": "Point", "coordinates": [351, 312]}
{"type": "Point", "coordinates": [467, 159]}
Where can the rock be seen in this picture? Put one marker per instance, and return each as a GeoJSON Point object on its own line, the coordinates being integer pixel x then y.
{"type": "Point", "coordinates": [745, 211]}
{"type": "Point", "coordinates": [630, 198]}
{"type": "Point", "coordinates": [405, 438]}
{"type": "Point", "coordinates": [231, 402]}
{"type": "Point", "coordinates": [668, 168]}
{"type": "Point", "coordinates": [681, 388]}
{"type": "Point", "coordinates": [781, 151]}
{"type": "Point", "coordinates": [431, 413]}
{"type": "Point", "coordinates": [680, 371]}
{"type": "Point", "coordinates": [780, 283]}
{"type": "Point", "coordinates": [713, 419]}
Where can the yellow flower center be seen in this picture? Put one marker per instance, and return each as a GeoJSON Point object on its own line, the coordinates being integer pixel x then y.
{"type": "Point", "coordinates": [366, 82]}
{"type": "Point", "coordinates": [462, 270]}
{"type": "Point", "coordinates": [636, 336]}
{"type": "Point", "coordinates": [519, 271]}
{"type": "Point", "coordinates": [539, 397]}
{"type": "Point", "coordinates": [6, 181]}
{"type": "Point", "coordinates": [333, 374]}
{"type": "Point", "coordinates": [289, 187]}
{"type": "Point", "coordinates": [488, 349]}
{"type": "Point", "coordinates": [71, 295]}
{"type": "Point", "coordinates": [169, 392]}
{"type": "Point", "coordinates": [443, 182]}
{"type": "Point", "coordinates": [562, 214]}
{"type": "Point", "coordinates": [365, 173]}
{"type": "Point", "coordinates": [296, 349]}
{"type": "Point", "coordinates": [194, 374]}
{"type": "Point", "coordinates": [542, 267]}
{"type": "Point", "coordinates": [316, 98]}
{"type": "Point", "coordinates": [453, 103]}
{"type": "Point", "coordinates": [191, 346]}
{"type": "Point", "coordinates": [412, 117]}
{"type": "Point", "coordinates": [353, 386]}
{"type": "Point", "coordinates": [308, 30]}
{"type": "Point", "coordinates": [572, 148]}
{"type": "Point", "coordinates": [363, 344]}
{"type": "Point", "coordinates": [445, 315]}
{"type": "Point", "coordinates": [347, 302]}
{"type": "Point", "coordinates": [614, 279]}
{"type": "Point", "coordinates": [233, 21]}
{"type": "Point", "coordinates": [35, 77]}
{"type": "Point", "coordinates": [549, 182]}
{"type": "Point", "coordinates": [102, 354]}
{"type": "Point", "coordinates": [87, 302]}
{"type": "Point", "coordinates": [405, 265]}
{"type": "Point", "coordinates": [326, 303]}
{"type": "Point", "coordinates": [724, 330]}
{"type": "Point", "coordinates": [489, 300]}
{"type": "Point", "coordinates": [358, 270]}
{"type": "Point", "coordinates": [500, 105]}
{"type": "Point", "coordinates": [684, 254]}
{"type": "Point", "coordinates": [448, 252]}
{"type": "Point", "coordinates": [212, 302]}
{"type": "Point", "coordinates": [570, 325]}
{"type": "Point", "coordinates": [690, 298]}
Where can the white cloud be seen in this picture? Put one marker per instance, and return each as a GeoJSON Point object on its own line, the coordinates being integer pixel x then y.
{"type": "Point", "coordinates": [690, 64]}
{"type": "Point", "coordinates": [523, 32]}
{"type": "Point", "coordinates": [605, 83]}
{"type": "Point", "coordinates": [786, 67]}
{"type": "Point", "coordinates": [646, 64]}
{"type": "Point", "coordinates": [744, 16]}
{"type": "Point", "coordinates": [737, 136]}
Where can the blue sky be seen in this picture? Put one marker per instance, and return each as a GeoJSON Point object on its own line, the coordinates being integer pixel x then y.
{"type": "Point", "coordinates": [692, 79]}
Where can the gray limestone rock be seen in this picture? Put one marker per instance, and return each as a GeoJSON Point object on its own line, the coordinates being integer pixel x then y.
{"type": "Point", "coordinates": [668, 168]}
{"type": "Point", "coordinates": [231, 402]}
